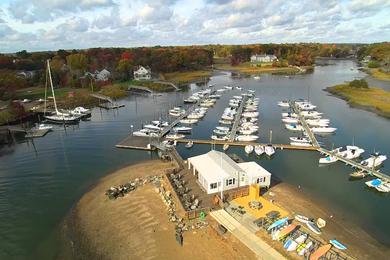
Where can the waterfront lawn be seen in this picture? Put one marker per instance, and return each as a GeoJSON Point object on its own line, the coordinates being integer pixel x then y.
{"type": "Point", "coordinates": [372, 99]}
{"type": "Point", "coordinates": [377, 73]}
{"type": "Point", "coordinates": [186, 76]}
{"type": "Point", "coordinates": [151, 85]}
{"type": "Point", "coordinates": [247, 68]}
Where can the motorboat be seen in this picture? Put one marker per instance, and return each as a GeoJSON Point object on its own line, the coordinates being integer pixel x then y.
{"type": "Point", "coordinates": [307, 106]}
{"type": "Point", "coordinates": [284, 104]}
{"type": "Point", "coordinates": [160, 123]}
{"type": "Point", "coordinates": [290, 120]}
{"type": "Point", "coordinates": [215, 96]}
{"type": "Point", "coordinates": [256, 77]}
{"type": "Point", "coordinates": [311, 114]}
{"type": "Point", "coordinates": [190, 100]}
{"type": "Point", "coordinates": [302, 219]}
{"type": "Point", "coordinates": [294, 127]}
{"type": "Point", "coordinates": [221, 90]}
{"type": "Point", "coordinates": [188, 121]}
{"type": "Point", "coordinates": [43, 127]}
{"type": "Point", "coordinates": [269, 150]}
{"type": "Point", "coordinates": [228, 87]}
{"type": "Point", "coordinates": [175, 136]}
{"type": "Point", "coordinates": [182, 129]}
{"type": "Point", "coordinates": [358, 174]}
{"type": "Point", "coordinates": [299, 139]}
{"type": "Point", "coordinates": [247, 138]}
{"type": "Point", "coordinates": [225, 122]}
{"type": "Point", "coordinates": [318, 122]}
{"type": "Point", "coordinates": [251, 91]}
{"type": "Point", "coordinates": [153, 127]}
{"type": "Point", "coordinates": [239, 88]}
{"type": "Point", "coordinates": [227, 117]}
{"type": "Point", "coordinates": [247, 131]}
{"type": "Point", "coordinates": [313, 227]}
{"type": "Point", "coordinates": [259, 150]}
{"type": "Point", "coordinates": [301, 144]}
{"type": "Point", "coordinates": [145, 133]}
{"type": "Point", "coordinates": [81, 112]}
{"type": "Point", "coordinates": [373, 183]}
{"type": "Point", "coordinates": [352, 152]}
{"type": "Point", "coordinates": [374, 161]}
{"type": "Point", "coordinates": [289, 114]}
{"type": "Point", "coordinates": [249, 149]}
{"type": "Point", "coordinates": [223, 128]}
{"type": "Point", "coordinates": [323, 130]}
{"type": "Point", "coordinates": [337, 244]}
{"type": "Point", "coordinates": [250, 114]}
{"type": "Point", "coordinates": [219, 138]}
{"type": "Point", "coordinates": [195, 115]}
{"type": "Point", "coordinates": [189, 144]}
{"type": "Point", "coordinates": [384, 187]}
{"type": "Point", "coordinates": [176, 112]}
{"type": "Point", "coordinates": [328, 159]}
{"type": "Point", "coordinates": [220, 132]}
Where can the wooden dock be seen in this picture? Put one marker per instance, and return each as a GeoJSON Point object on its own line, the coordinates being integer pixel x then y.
{"type": "Point", "coordinates": [137, 142]}
{"type": "Point", "coordinates": [237, 119]}
{"type": "Point", "coordinates": [37, 133]}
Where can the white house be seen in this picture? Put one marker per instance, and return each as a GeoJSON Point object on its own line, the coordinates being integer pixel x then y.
{"type": "Point", "coordinates": [216, 171]}
{"type": "Point", "coordinates": [263, 58]}
{"type": "Point", "coordinates": [142, 73]}
{"type": "Point", "coordinates": [103, 75]}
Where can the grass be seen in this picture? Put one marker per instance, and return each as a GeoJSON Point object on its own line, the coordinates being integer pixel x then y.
{"type": "Point", "coordinates": [371, 99]}
{"type": "Point", "coordinates": [151, 85]}
{"type": "Point", "coordinates": [186, 76]}
{"type": "Point", "coordinates": [247, 68]}
{"type": "Point", "coordinates": [377, 73]}
{"type": "Point", "coordinates": [6, 115]}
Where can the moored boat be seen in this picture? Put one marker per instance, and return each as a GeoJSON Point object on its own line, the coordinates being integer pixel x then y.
{"type": "Point", "coordinates": [259, 150]}
{"type": "Point", "coordinates": [320, 252]}
{"type": "Point", "coordinates": [313, 227]}
{"type": "Point", "coordinates": [189, 144]}
{"type": "Point", "coordinates": [248, 149]}
{"type": "Point", "coordinates": [337, 244]}
{"type": "Point", "coordinates": [302, 218]}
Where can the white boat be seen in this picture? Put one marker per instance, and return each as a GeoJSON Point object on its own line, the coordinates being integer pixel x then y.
{"type": "Point", "coordinates": [247, 138]}
{"type": "Point", "coordinates": [223, 128]}
{"type": "Point", "coordinates": [227, 117]}
{"type": "Point", "coordinates": [176, 113]}
{"type": "Point", "coordinates": [247, 131]}
{"type": "Point", "coordinates": [175, 136]}
{"type": "Point", "coordinates": [269, 150]}
{"type": "Point", "coordinates": [313, 227]}
{"type": "Point", "coordinates": [250, 114]}
{"type": "Point", "coordinates": [318, 122]}
{"type": "Point", "coordinates": [168, 143]}
{"type": "Point", "coordinates": [251, 91]}
{"type": "Point", "coordinates": [153, 127]}
{"type": "Point", "coordinates": [352, 152]}
{"type": "Point", "coordinates": [328, 159]}
{"type": "Point", "coordinates": [220, 132]}
{"type": "Point", "coordinates": [188, 121]}
{"type": "Point", "coordinates": [311, 114]}
{"type": "Point", "coordinates": [259, 150]}
{"type": "Point", "coordinates": [289, 114]}
{"type": "Point", "coordinates": [160, 123]}
{"type": "Point", "coordinates": [299, 139]}
{"type": "Point", "coordinates": [225, 122]}
{"type": "Point", "coordinates": [302, 219]}
{"type": "Point", "coordinates": [195, 116]}
{"type": "Point", "coordinates": [249, 149]}
{"type": "Point", "coordinates": [374, 183]}
{"type": "Point", "coordinates": [219, 138]}
{"type": "Point", "coordinates": [323, 130]}
{"type": "Point", "coordinates": [374, 161]}
{"type": "Point", "coordinates": [145, 133]}
{"type": "Point", "coordinates": [294, 127]}
{"type": "Point", "coordinates": [294, 243]}
{"type": "Point", "coordinates": [284, 103]}
{"type": "Point", "coordinates": [228, 87]}
{"type": "Point", "coordinates": [44, 127]}
{"type": "Point", "coordinates": [301, 144]}
{"type": "Point", "coordinates": [307, 106]}
{"type": "Point", "coordinates": [290, 120]}
{"type": "Point", "coordinates": [384, 187]}
{"type": "Point", "coordinates": [182, 129]}
{"type": "Point", "coordinates": [239, 88]}
{"type": "Point", "coordinates": [221, 90]}
{"type": "Point", "coordinates": [189, 144]}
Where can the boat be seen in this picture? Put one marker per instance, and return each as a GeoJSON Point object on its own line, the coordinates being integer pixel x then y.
{"type": "Point", "coordinates": [318, 122]}
{"type": "Point", "coordinates": [373, 183]}
{"type": "Point", "coordinates": [328, 159]}
{"type": "Point", "coordinates": [223, 128]}
{"type": "Point", "coordinates": [277, 223]}
{"type": "Point", "coordinates": [168, 143]}
{"type": "Point", "coordinates": [374, 161]}
{"type": "Point", "coordinates": [188, 121]}
{"type": "Point", "coordinates": [249, 149]}
{"type": "Point", "coordinates": [313, 227]}
{"type": "Point", "coordinates": [160, 123]}
{"type": "Point", "coordinates": [228, 87]}
{"type": "Point", "coordinates": [225, 147]}
{"type": "Point", "coordinates": [286, 231]}
{"type": "Point", "coordinates": [175, 136]}
{"type": "Point", "coordinates": [384, 187]}
{"type": "Point", "coordinates": [247, 138]}
{"type": "Point", "coordinates": [145, 133]}
{"type": "Point", "coordinates": [294, 127]}
{"type": "Point", "coordinates": [256, 77]}
{"type": "Point", "coordinates": [269, 150]}
{"type": "Point", "coordinates": [220, 132]}
{"type": "Point", "coordinates": [352, 152]}
{"type": "Point", "coordinates": [190, 100]}
{"type": "Point", "coordinates": [337, 244]}
{"type": "Point", "coordinates": [189, 144]}
{"type": "Point", "coordinates": [153, 127]}
{"type": "Point", "coordinates": [219, 138]}
{"type": "Point", "coordinates": [289, 114]}
{"type": "Point", "coordinates": [44, 127]}
{"type": "Point", "coordinates": [323, 130]}
{"type": "Point", "coordinates": [284, 103]}
{"type": "Point", "coordinates": [358, 174]}
{"type": "Point", "coordinates": [259, 150]}
{"type": "Point", "coordinates": [290, 120]}
{"type": "Point", "coordinates": [302, 218]}
{"type": "Point", "coordinates": [182, 129]}
{"type": "Point", "coordinates": [321, 251]}
{"type": "Point", "coordinates": [295, 243]}
{"type": "Point", "coordinates": [239, 88]}
{"type": "Point", "coordinates": [225, 122]}
{"type": "Point", "coordinates": [250, 114]}
{"type": "Point", "coordinates": [300, 139]}
{"type": "Point", "coordinates": [300, 144]}
{"type": "Point", "coordinates": [303, 248]}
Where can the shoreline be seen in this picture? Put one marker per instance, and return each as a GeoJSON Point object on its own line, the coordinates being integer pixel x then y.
{"type": "Point", "coordinates": [85, 228]}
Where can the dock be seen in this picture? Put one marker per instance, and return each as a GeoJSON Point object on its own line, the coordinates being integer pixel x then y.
{"type": "Point", "coordinates": [237, 118]}
{"type": "Point", "coordinates": [136, 142]}
{"type": "Point", "coordinates": [37, 133]}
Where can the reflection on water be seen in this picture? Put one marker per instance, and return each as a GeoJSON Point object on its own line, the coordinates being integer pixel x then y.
{"type": "Point", "coordinates": [39, 183]}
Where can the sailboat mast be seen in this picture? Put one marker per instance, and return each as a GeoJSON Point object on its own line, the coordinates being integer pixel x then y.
{"type": "Point", "coordinates": [52, 88]}
{"type": "Point", "coordinates": [44, 109]}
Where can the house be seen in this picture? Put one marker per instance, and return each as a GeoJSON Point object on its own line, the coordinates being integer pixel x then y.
{"type": "Point", "coordinates": [102, 75]}
{"type": "Point", "coordinates": [216, 172]}
{"type": "Point", "coordinates": [263, 58]}
{"type": "Point", "coordinates": [367, 59]}
{"type": "Point", "coordinates": [142, 73]}
{"type": "Point", "coordinates": [27, 74]}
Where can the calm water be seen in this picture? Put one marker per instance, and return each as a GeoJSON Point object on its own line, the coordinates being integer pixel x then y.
{"type": "Point", "coordinates": [41, 181]}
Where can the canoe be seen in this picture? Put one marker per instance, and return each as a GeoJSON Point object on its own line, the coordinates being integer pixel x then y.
{"type": "Point", "coordinates": [313, 227]}
{"type": "Point", "coordinates": [277, 223]}
{"type": "Point", "coordinates": [337, 244]}
{"type": "Point", "coordinates": [283, 233]}
{"type": "Point", "coordinates": [302, 218]}
{"type": "Point", "coordinates": [320, 252]}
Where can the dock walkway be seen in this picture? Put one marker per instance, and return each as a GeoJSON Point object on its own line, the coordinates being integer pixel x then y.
{"type": "Point", "coordinates": [254, 243]}
{"type": "Point", "coordinates": [236, 123]}
{"type": "Point", "coordinates": [102, 97]}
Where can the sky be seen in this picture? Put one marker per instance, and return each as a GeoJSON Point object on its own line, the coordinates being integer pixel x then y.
{"type": "Point", "coordinates": [36, 25]}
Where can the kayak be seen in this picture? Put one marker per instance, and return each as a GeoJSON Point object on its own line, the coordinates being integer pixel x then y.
{"type": "Point", "coordinates": [337, 244]}
{"type": "Point", "coordinates": [304, 249]}
{"type": "Point", "coordinates": [277, 223]}
{"type": "Point", "coordinates": [302, 218]}
{"type": "Point", "coordinates": [320, 252]}
{"type": "Point", "coordinates": [294, 244]}
{"type": "Point", "coordinates": [283, 233]}
{"type": "Point", "coordinates": [313, 227]}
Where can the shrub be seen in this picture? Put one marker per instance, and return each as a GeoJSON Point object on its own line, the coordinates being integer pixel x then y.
{"type": "Point", "coordinates": [373, 64]}
{"type": "Point", "coordinates": [358, 83]}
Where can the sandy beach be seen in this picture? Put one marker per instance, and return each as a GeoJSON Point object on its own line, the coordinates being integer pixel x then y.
{"type": "Point", "coordinates": [360, 244]}
{"type": "Point", "coordinates": [136, 226]}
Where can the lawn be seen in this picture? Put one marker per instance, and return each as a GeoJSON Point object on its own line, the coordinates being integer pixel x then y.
{"type": "Point", "coordinates": [186, 76]}
{"type": "Point", "coordinates": [151, 85]}
{"type": "Point", "coordinates": [247, 68]}
{"type": "Point", "coordinates": [372, 99]}
{"type": "Point", "coordinates": [377, 73]}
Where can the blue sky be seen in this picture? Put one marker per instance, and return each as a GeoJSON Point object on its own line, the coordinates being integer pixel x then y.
{"type": "Point", "coordinates": [72, 24]}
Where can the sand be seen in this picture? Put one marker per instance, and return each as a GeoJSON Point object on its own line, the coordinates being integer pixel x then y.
{"type": "Point", "coordinates": [360, 244]}
{"type": "Point", "coordinates": [136, 226]}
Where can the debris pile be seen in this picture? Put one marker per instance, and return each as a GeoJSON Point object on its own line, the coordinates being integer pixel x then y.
{"type": "Point", "coordinates": [121, 190]}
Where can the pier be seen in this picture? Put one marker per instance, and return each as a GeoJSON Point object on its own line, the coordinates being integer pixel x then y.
{"type": "Point", "coordinates": [237, 119]}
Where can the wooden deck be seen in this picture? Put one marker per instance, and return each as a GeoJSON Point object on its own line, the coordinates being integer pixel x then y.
{"type": "Point", "coordinates": [136, 142]}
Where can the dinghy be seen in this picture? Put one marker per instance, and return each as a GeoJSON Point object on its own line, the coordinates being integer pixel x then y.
{"type": "Point", "coordinates": [358, 174]}
{"type": "Point", "coordinates": [302, 218]}
{"type": "Point", "coordinates": [321, 251]}
{"type": "Point", "coordinates": [313, 227]}
{"type": "Point", "coordinates": [328, 159]}
{"type": "Point", "coordinates": [249, 149]}
{"type": "Point", "coordinates": [337, 244]}
{"type": "Point", "coordinates": [189, 144]}
{"type": "Point", "coordinates": [259, 150]}
{"type": "Point", "coordinates": [269, 150]}
{"type": "Point", "coordinates": [277, 223]}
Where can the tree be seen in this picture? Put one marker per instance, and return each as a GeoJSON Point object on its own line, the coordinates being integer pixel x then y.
{"type": "Point", "coordinates": [358, 83]}
{"type": "Point", "coordinates": [77, 62]}
{"type": "Point", "coordinates": [124, 67]}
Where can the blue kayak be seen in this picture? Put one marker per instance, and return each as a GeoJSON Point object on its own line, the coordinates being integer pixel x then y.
{"type": "Point", "coordinates": [337, 244]}
{"type": "Point", "coordinates": [277, 223]}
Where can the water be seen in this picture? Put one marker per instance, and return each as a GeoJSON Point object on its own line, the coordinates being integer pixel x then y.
{"type": "Point", "coordinates": [40, 182]}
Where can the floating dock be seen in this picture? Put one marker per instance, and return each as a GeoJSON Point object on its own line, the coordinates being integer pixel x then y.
{"type": "Point", "coordinates": [237, 119]}
{"type": "Point", "coordinates": [37, 133]}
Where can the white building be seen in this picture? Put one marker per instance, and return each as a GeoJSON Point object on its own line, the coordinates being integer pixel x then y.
{"type": "Point", "coordinates": [103, 75]}
{"type": "Point", "coordinates": [142, 73]}
{"type": "Point", "coordinates": [216, 171]}
{"type": "Point", "coordinates": [263, 58]}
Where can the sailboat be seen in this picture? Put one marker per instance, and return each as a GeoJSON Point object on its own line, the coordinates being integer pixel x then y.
{"type": "Point", "coordinates": [57, 117]}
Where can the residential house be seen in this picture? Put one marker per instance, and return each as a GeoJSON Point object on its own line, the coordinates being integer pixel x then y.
{"type": "Point", "coordinates": [261, 58]}
{"type": "Point", "coordinates": [102, 75]}
{"type": "Point", "coordinates": [142, 73]}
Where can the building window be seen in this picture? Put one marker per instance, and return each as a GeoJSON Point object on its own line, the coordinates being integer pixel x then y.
{"type": "Point", "coordinates": [230, 182]}
{"type": "Point", "coordinates": [213, 186]}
